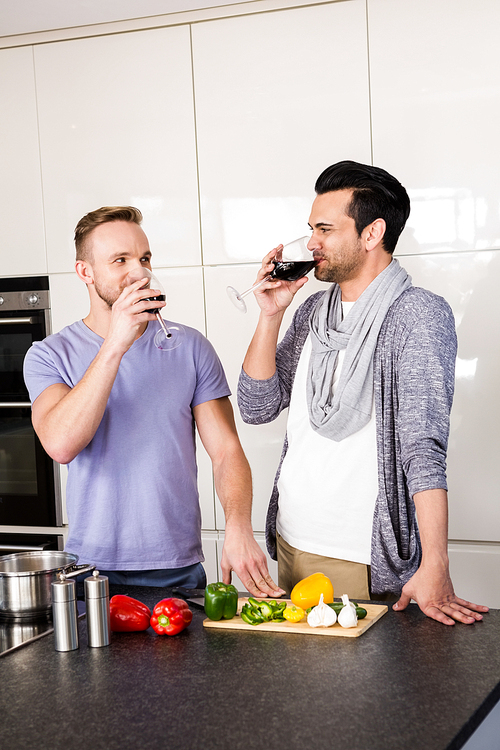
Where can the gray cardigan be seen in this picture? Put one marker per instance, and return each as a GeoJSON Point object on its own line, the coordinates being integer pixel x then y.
{"type": "Point", "coordinates": [414, 367]}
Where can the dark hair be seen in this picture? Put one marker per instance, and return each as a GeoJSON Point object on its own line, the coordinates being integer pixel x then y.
{"type": "Point", "coordinates": [101, 216]}
{"type": "Point", "coordinates": [376, 195]}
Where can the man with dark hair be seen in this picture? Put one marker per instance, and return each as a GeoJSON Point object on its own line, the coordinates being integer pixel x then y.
{"type": "Point", "coordinates": [375, 195]}
{"type": "Point", "coordinates": [367, 371]}
{"type": "Point", "coordinates": [122, 414]}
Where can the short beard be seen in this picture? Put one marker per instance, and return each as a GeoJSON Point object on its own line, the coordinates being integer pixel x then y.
{"type": "Point", "coordinates": [106, 295]}
{"type": "Point", "coordinates": [340, 270]}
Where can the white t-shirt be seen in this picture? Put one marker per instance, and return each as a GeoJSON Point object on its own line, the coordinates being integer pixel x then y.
{"type": "Point", "coordinates": [327, 489]}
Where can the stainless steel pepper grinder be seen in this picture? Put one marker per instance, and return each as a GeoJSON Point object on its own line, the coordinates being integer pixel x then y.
{"type": "Point", "coordinates": [64, 614]}
{"type": "Point", "coordinates": [97, 609]}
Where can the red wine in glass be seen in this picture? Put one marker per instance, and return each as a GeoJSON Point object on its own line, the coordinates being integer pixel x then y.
{"type": "Point", "coordinates": [291, 270]}
{"type": "Point", "coordinates": [159, 298]}
{"type": "Point", "coordinates": [169, 336]}
{"type": "Point", "coordinates": [291, 263]}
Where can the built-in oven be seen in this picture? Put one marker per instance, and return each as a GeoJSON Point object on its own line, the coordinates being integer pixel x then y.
{"type": "Point", "coordinates": [29, 479]}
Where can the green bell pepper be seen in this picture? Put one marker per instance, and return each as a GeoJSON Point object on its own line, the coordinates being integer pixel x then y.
{"type": "Point", "coordinates": [221, 601]}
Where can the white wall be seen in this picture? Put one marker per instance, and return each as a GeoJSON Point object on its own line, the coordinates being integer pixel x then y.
{"type": "Point", "coordinates": [217, 129]}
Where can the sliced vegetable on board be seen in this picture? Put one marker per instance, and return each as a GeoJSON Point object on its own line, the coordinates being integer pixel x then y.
{"type": "Point", "coordinates": [255, 612]}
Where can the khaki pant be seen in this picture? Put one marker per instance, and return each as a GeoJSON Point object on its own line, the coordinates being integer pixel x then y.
{"type": "Point", "coordinates": [347, 577]}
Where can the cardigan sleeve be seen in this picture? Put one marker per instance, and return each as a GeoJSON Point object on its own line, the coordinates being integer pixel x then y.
{"type": "Point", "coordinates": [426, 372]}
{"type": "Point", "coordinates": [413, 383]}
{"type": "Point", "coordinates": [262, 401]}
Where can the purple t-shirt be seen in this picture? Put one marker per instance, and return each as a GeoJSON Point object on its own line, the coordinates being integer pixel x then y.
{"type": "Point", "coordinates": [132, 495]}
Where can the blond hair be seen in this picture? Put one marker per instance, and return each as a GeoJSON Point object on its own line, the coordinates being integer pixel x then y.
{"type": "Point", "coordinates": [90, 221]}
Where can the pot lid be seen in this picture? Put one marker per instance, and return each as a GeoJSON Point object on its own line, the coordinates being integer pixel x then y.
{"type": "Point", "coordinates": [38, 562]}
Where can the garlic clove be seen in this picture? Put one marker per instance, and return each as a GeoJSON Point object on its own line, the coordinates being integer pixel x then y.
{"type": "Point", "coordinates": [347, 616]}
{"type": "Point", "coordinates": [321, 616]}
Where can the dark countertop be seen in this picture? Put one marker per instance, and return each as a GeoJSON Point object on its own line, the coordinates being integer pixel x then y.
{"type": "Point", "coordinates": [408, 682]}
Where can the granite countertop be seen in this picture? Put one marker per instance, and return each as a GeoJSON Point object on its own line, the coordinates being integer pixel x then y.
{"type": "Point", "coordinates": [407, 682]}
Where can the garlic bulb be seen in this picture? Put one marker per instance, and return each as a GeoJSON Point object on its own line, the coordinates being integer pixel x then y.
{"type": "Point", "coordinates": [347, 615]}
{"type": "Point", "coordinates": [321, 616]}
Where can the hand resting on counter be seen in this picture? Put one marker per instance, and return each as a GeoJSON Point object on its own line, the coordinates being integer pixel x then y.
{"type": "Point", "coordinates": [242, 554]}
{"type": "Point", "coordinates": [433, 591]}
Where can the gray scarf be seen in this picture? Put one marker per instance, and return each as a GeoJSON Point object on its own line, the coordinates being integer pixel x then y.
{"type": "Point", "coordinates": [350, 408]}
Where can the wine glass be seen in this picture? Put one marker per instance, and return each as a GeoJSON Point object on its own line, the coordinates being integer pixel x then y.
{"type": "Point", "coordinates": [169, 335]}
{"type": "Point", "coordinates": [292, 262]}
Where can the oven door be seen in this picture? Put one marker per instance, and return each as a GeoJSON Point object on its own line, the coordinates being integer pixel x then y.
{"type": "Point", "coordinates": [11, 543]}
{"type": "Point", "coordinates": [27, 474]}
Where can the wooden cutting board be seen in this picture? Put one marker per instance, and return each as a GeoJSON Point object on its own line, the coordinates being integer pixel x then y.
{"type": "Point", "coordinates": [374, 613]}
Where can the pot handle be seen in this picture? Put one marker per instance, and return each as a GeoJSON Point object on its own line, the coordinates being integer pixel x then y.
{"type": "Point", "coordinates": [78, 569]}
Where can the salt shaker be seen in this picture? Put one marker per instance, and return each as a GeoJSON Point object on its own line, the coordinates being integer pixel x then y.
{"type": "Point", "coordinates": [97, 609]}
{"type": "Point", "coordinates": [64, 614]}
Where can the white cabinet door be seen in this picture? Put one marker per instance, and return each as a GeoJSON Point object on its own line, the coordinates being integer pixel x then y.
{"type": "Point", "coordinates": [117, 128]}
{"type": "Point", "coordinates": [230, 332]}
{"type": "Point", "coordinates": [279, 97]}
{"type": "Point", "coordinates": [21, 213]}
{"type": "Point", "coordinates": [469, 282]}
{"type": "Point", "coordinates": [209, 543]}
{"type": "Point", "coordinates": [435, 92]}
{"type": "Point", "coordinates": [475, 570]}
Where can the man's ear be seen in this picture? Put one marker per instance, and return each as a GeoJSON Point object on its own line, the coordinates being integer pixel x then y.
{"type": "Point", "coordinates": [374, 233]}
{"type": "Point", "coordinates": [84, 271]}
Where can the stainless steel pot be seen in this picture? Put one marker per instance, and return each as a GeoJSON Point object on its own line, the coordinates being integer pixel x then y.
{"type": "Point", "coordinates": [26, 578]}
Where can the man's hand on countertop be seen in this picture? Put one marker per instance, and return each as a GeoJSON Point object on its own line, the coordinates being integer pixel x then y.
{"type": "Point", "coordinates": [433, 591]}
{"type": "Point", "coordinates": [242, 554]}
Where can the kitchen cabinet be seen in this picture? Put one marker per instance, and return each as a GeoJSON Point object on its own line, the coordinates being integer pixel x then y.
{"type": "Point", "coordinates": [407, 682]}
{"type": "Point", "coordinates": [435, 93]}
{"type": "Point", "coordinates": [475, 567]}
{"type": "Point", "coordinates": [116, 126]}
{"type": "Point", "coordinates": [434, 115]}
{"type": "Point", "coordinates": [435, 97]}
{"type": "Point", "coordinates": [209, 542]}
{"type": "Point", "coordinates": [21, 211]}
{"type": "Point", "coordinates": [278, 96]}
{"type": "Point", "coordinates": [230, 332]}
{"type": "Point", "coordinates": [468, 282]}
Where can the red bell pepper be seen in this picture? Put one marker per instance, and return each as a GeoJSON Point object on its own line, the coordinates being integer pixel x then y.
{"type": "Point", "coordinates": [128, 614]}
{"type": "Point", "coordinates": [170, 616]}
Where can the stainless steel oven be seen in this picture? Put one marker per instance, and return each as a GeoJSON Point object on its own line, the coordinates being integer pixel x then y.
{"type": "Point", "coordinates": [29, 478]}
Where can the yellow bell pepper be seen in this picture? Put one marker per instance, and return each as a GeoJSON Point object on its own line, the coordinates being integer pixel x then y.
{"type": "Point", "coordinates": [294, 614]}
{"type": "Point", "coordinates": [306, 593]}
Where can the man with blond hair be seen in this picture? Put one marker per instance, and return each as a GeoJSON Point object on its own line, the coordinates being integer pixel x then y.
{"type": "Point", "coordinates": [122, 414]}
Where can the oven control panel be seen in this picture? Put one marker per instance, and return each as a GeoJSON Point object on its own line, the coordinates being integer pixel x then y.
{"type": "Point", "coordinates": [31, 300]}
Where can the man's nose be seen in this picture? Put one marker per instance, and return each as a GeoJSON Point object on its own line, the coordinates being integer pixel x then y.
{"type": "Point", "coordinates": [136, 267]}
{"type": "Point", "coordinates": [136, 263]}
{"type": "Point", "coordinates": [312, 244]}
